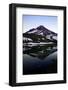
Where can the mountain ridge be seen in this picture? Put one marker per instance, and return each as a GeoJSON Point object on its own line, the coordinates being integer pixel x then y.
{"type": "Point", "coordinates": [40, 34]}
{"type": "Point", "coordinates": [41, 29]}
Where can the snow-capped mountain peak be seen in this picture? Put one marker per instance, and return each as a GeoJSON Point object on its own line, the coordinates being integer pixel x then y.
{"type": "Point", "coordinates": [41, 30]}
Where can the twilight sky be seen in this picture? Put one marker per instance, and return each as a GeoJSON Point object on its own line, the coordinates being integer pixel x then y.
{"type": "Point", "coordinates": [33, 21]}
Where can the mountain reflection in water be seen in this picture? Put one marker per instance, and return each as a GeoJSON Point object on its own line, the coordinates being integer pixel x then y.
{"type": "Point", "coordinates": [39, 59]}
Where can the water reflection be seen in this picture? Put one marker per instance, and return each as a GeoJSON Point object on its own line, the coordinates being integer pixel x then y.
{"type": "Point", "coordinates": [39, 58]}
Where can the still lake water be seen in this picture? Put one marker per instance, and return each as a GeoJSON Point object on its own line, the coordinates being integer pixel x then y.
{"type": "Point", "coordinates": [39, 59]}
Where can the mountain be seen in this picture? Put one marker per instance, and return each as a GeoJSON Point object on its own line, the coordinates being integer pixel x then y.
{"type": "Point", "coordinates": [40, 34]}
{"type": "Point", "coordinates": [41, 30]}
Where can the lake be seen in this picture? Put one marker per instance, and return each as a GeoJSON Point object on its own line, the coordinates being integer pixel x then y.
{"type": "Point", "coordinates": [39, 58]}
